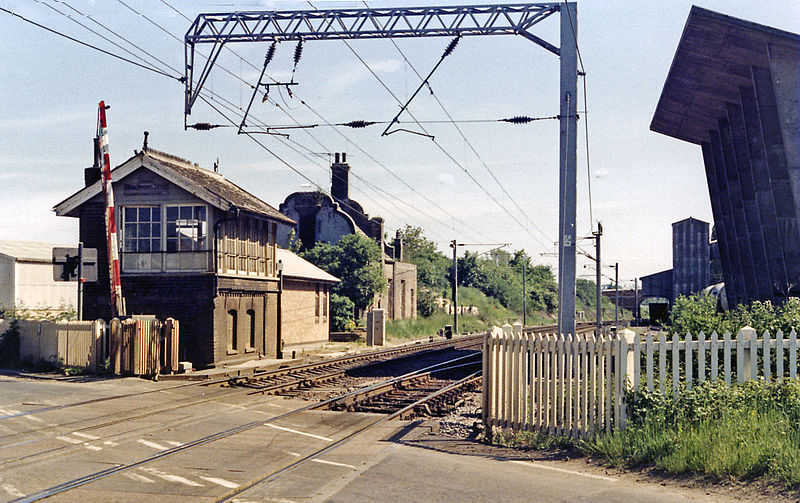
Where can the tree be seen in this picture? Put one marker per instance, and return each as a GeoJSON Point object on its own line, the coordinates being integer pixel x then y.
{"type": "Point", "coordinates": [432, 265]}
{"type": "Point", "coordinates": [341, 312]}
{"type": "Point", "coordinates": [356, 260]}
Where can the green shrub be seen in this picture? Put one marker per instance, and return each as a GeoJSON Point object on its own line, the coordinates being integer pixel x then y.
{"type": "Point", "coordinates": [341, 312]}
{"type": "Point", "coordinates": [747, 431]}
{"type": "Point", "coordinates": [697, 313]}
{"type": "Point", "coordinates": [9, 345]}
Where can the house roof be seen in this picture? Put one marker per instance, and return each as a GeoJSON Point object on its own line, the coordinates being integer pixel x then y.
{"type": "Point", "coordinates": [207, 185]}
{"type": "Point", "coordinates": [295, 266]}
{"type": "Point", "coordinates": [29, 250]}
{"type": "Point", "coordinates": [711, 63]}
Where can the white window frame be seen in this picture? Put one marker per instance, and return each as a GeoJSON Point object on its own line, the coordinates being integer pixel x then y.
{"type": "Point", "coordinates": [163, 254]}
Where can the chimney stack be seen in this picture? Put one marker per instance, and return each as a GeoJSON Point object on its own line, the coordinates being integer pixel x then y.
{"type": "Point", "coordinates": [339, 177]}
{"type": "Point", "coordinates": [92, 174]}
{"type": "Point", "coordinates": [398, 247]}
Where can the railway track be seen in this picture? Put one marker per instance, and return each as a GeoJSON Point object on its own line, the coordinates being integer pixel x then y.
{"type": "Point", "coordinates": [75, 483]}
{"type": "Point", "coordinates": [281, 380]}
{"type": "Point", "coordinates": [428, 391]}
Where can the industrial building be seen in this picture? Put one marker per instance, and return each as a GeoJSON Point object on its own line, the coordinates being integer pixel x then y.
{"type": "Point", "coordinates": [198, 248]}
{"type": "Point", "coordinates": [734, 90]}
{"type": "Point", "coordinates": [27, 284]}
{"type": "Point", "coordinates": [323, 218]}
{"type": "Point", "coordinates": [690, 257]}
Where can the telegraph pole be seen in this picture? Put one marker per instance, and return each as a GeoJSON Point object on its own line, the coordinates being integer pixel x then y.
{"type": "Point", "coordinates": [636, 300]}
{"type": "Point", "coordinates": [598, 279]}
{"type": "Point", "coordinates": [524, 296]}
{"type": "Point", "coordinates": [80, 280]}
{"type": "Point", "coordinates": [454, 246]}
{"type": "Point", "coordinates": [616, 294]}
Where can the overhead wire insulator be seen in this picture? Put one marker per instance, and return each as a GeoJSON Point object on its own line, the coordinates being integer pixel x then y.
{"type": "Point", "coordinates": [450, 47]}
{"type": "Point", "coordinates": [357, 124]}
{"type": "Point", "coordinates": [298, 52]}
{"type": "Point", "coordinates": [518, 119]}
{"type": "Point", "coordinates": [203, 126]}
{"type": "Point", "coordinates": [270, 53]}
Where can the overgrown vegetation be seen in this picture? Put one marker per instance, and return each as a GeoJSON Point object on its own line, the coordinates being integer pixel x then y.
{"type": "Point", "coordinates": [356, 260]}
{"type": "Point", "coordinates": [45, 313]}
{"type": "Point", "coordinates": [698, 313]}
{"type": "Point", "coordinates": [497, 274]}
{"type": "Point", "coordinates": [490, 312]}
{"type": "Point", "coordinates": [747, 431]}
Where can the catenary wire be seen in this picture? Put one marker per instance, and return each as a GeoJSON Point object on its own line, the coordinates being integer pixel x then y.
{"type": "Point", "coordinates": [177, 71]}
{"type": "Point", "coordinates": [86, 44]}
{"type": "Point", "coordinates": [348, 140]}
{"type": "Point", "coordinates": [461, 133]}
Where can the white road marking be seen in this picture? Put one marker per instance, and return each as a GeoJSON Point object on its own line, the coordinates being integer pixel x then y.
{"type": "Point", "coordinates": [11, 412]}
{"type": "Point", "coordinates": [173, 443]}
{"type": "Point", "coordinates": [84, 435]}
{"type": "Point", "coordinates": [12, 491]}
{"type": "Point", "coordinates": [139, 478]}
{"type": "Point", "coordinates": [221, 482]}
{"type": "Point", "coordinates": [52, 425]}
{"type": "Point", "coordinates": [295, 454]}
{"type": "Point", "coordinates": [172, 478]}
{"type": "Point", "coordinates": [109, 442]}
{"type": "Point", "coordinates": [298, 432]}
{"type": "Point", "coordinates": [278, 406]}
{"type": "Point", "coordinates": [333, 463]}
{"type": "Point", "coordinates": [563, 470]}
{"type": "Point", "coordinates": [93, 447]}
{"type": "Point", "coordinates": [240, 407]}
{"type": "Point", "coordinates": [152, 445]}
{"type": "Point", "coordinates": [70, 440]}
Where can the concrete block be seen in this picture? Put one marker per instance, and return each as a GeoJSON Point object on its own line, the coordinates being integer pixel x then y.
{"type": "Point", "coordinates": [376, 327]}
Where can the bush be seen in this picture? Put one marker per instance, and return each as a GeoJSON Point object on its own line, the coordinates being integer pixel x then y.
{"type": "Point", "coordinates": [747, 431]}
{"type": "Point", "coordinates": [341, 312]}
{"type": "Point", "coordinates": [426, 302]}
{"type": "Point", "coordinates": [698, 313]}
{"type": "Point", "coordinates": [9, 345]}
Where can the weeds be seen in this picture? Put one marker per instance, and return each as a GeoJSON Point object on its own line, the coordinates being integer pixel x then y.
{"type": "Point", "coordinates": [746, 431]}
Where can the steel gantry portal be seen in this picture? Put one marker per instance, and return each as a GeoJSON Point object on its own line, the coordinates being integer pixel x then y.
{"type": "Point", "coordinates": [219, 29]}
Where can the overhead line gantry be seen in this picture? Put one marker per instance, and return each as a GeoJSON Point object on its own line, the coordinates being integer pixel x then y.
{"type": "Point", "coordinates": [219, 29]}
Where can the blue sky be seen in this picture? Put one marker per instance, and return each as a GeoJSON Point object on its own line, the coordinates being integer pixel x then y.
{"type": "Point", "coordinates": [641, 181]}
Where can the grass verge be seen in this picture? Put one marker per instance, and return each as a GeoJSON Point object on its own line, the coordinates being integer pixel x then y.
{"type": "Point", "coordinates": [749, 431]}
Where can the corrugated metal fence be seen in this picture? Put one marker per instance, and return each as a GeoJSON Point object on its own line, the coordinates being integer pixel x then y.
{"type": "Point", "coordinates": [575, 385]}
{"type": "Point", "coordinates": [134, 346]}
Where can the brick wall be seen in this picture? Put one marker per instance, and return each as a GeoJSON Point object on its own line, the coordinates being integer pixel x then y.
{"type": "Point", "coordinates": [92, 232]}
{"type": "Point", "coordinates": [300, 323]}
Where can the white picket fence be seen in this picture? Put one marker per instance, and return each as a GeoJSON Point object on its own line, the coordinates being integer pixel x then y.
{"type": "Point", "coordinates": [575, 385]}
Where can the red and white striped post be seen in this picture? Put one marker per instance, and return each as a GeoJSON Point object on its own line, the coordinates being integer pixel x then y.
{"type": "Point", "coordinates": [117, 301]}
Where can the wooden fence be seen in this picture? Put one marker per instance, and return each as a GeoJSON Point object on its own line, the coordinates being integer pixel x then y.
{"type": "Point", "coordinates": [144, 346]}
{"type": "Point", "coordinates": [575, 385]}
{"type": "Point", "coordinates": [134, 346]}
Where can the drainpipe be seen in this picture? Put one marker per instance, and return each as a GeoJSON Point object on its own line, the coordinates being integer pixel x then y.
{"type": "Point", "coordinates": [279, 267]}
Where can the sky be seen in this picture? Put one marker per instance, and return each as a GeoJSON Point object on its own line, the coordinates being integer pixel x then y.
{"type": "Point", "coordinates": [640, 181]}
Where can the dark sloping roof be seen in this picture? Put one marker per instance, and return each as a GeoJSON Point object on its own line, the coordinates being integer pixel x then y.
{"type": "Point", "coordinates": [207, 185]}
{"type": "Point", "coordinates": [711, 63]}
{"type": "Point", "coordinates": [217, 184]}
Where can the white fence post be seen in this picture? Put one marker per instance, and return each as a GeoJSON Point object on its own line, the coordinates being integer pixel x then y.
{"type": "Point", "coordinates": [745, 346]}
